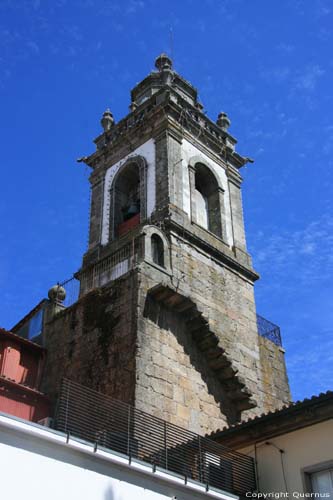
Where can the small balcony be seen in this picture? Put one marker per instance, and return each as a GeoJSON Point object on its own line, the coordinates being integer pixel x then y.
{"type": "Point", "coordinates": [117, 426]}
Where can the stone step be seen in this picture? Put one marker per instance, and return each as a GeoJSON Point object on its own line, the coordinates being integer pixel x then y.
{"type": "Point", "coordinates": [227, 373]}
{"type": "Point", "coordinates": [202, 334]}
{"type": "Point", "coordinates": [246, 404]}
{"type": "Point", "coordinates": [207, 342]}
{"type": "Point", "coordinates": [219, 363]}
{"type": "Point", "coordinates": [213, 352]}
{"type": "Point", "coordinates": [186, 305]}
{"type": "Point", "coordinates": [193, 314]}
{"type": "Point", "coordinates": [196, 324]}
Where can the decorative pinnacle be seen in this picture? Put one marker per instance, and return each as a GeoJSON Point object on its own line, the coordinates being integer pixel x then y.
{"type": "Point", "coordinates": [57, 294]}
{"type": "Point", "coordinates": [163, 62]}
{"type": "Point", "coordinates": [107, 120]}
{"type": "Point", "coordinates": [223, 121]}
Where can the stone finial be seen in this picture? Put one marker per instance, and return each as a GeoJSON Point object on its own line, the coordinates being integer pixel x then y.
{"type": "Point", "coordinates": [107, 120]}
{"type": "Point", "coordinates": [133, 106]}
{"type": "Point", "coordinates": [163, 62]}
{"type": "Point", "coordinates": [57, 294]}
{"type": "Point", "coordinates": [223, 121]}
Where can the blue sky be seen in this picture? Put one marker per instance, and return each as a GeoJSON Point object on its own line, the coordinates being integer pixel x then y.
{"type": "Point", "coordinates": [269, 65]}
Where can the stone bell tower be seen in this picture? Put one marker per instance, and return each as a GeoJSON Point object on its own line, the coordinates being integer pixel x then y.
{"type": "Point", "coordinates": [166, 318]}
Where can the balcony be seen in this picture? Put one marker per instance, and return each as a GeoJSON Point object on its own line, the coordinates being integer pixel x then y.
{"type": "Point", "coordinates": [117, 426]}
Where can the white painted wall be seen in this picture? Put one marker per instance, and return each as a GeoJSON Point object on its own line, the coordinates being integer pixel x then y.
{"type": "Point", "coordinates": [147, 150]}
{"type": "Point", "coordinates": [188, 151]}
{"type": "Point", "coordinates": [302, 449]}
{"type": "Point", "coordinates": [37, 464]}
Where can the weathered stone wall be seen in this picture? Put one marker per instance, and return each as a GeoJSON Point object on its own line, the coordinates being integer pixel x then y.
{"type": "Point", "coordinates": [174, 378]}
{"type": "Point", "coordinates": [93, 342]}
{"type": "Point", "coordinates": [121, 341]}
{"type": "Point", "coordinates": [273, 375]}
{"type": "Point", "coordinates": [174, 381]}
{"type": "Point", "coordinates": [227, 300]}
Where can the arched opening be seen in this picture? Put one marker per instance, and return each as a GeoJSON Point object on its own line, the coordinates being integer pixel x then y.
{"type": "Point", "coordinates": [157, 250]}
{"type": "Point", "coordinates": [207, 200]}
{"type": "Point", "coordinates": [127, 199]}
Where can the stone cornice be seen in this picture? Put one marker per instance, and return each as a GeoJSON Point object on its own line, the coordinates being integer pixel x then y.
{"type": "Point", "coordinates": [234, 176]}
{"type": "Point", "coordinates": [216, 249]}
{"type": "Point", "coordinates": [169, 107]}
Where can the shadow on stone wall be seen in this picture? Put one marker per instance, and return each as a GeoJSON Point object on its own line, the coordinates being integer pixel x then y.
{"type": "Point", "coordinates": [174, 322]}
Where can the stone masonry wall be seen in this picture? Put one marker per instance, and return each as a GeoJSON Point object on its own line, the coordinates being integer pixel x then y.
{"type": "Point", "coordinates": [228, 302]}
{"type": "Point", "coordinates": [273, 374]}
{"type": "Point", "coordinates": [174, 381]}
{"type": "Point", "coordinates": [93, 342]}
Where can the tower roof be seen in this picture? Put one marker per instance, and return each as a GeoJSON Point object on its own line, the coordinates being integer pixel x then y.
{"type": "Point", "coordinates": [163, 75]}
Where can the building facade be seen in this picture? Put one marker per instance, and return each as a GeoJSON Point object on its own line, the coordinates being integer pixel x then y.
{"type": "Point", "coordinates": [292, 448]}
{"type": "Point", "coordinates": [21, 368]}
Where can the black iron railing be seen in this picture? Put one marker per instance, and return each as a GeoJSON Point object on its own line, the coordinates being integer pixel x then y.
{"type": "Point", "coordinates": [269, 330]}
{"type": "Point", "coordinates": [115, 425]}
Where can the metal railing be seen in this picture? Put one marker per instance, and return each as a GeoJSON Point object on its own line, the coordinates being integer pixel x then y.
{"type": "Point", "coordinates": [109, 269]}
{"type": "Point", "coordinates": [112, 424]}
{"type": "Point", "coordinates": [72, 288]}
{"type": "Point", "coordinates": [269, 330]}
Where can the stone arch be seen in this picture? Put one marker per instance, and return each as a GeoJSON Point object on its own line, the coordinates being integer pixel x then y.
{"type": "Point", "coordinates": [156, 241]}
{"type": "Point", "coordinates": [207, 197]}
{"type": "Point", "coordinates": [128, 195]}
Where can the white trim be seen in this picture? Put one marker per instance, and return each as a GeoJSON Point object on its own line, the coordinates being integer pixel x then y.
{"type": "Point", "coordinates": [147, 151]}
{"type": "Point", "coordinates": [188, 152]}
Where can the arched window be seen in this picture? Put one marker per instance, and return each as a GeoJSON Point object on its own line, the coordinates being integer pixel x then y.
{"type": "Point", "coordinates": [207, 200]}
{"type": "Point", "coordinates": [157, 250]}
{"type": "Point", "coordinates": [128, 196]}
{"type": "Point", "coordinates": [127, 200]}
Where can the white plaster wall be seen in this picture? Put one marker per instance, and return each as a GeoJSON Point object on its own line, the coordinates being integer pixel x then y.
{"type": "Point", "coordinates": [147, 150]}
{"type": "Point", "coordinates": [188, 151]}
{"type": "Point", "coordinates": [302, 448]}
{"type": "Point", "coordinates": [31, 476]}
{"type": "Point", "coordinates": [37, 464]}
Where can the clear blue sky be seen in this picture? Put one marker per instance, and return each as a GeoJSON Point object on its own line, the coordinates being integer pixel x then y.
{"type": "Point", "coordinates": [267, 64]}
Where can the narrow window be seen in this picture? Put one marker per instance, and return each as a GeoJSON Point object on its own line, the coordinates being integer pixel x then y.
{"type": "Point", "coordinates": [157, 250]}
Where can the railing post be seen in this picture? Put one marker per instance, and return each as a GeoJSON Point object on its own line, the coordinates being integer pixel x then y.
{"type": "Point", "coordinates": [166, 444]}
{"type": "Point", "coordinates": [129, 431]}
{"type": "Point", "coordinates": [67, 404]}
{"type": "Point", "coordinates": [200, 460]}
